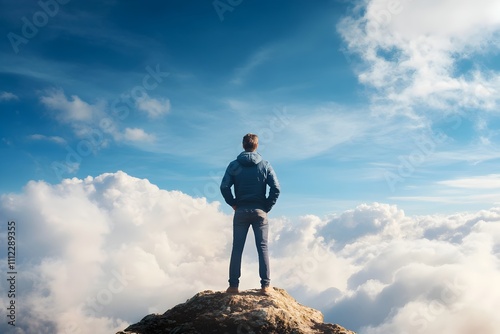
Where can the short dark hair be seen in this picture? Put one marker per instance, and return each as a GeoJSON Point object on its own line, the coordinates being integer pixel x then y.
{"type": "Point", "coordinates": [250, 142]}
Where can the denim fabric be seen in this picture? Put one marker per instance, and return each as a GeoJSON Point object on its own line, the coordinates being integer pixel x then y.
{"type": "Point", "coordinates": [242, 220]}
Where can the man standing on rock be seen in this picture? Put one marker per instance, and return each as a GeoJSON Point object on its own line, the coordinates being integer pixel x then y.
{"type": "Point", "coordinates": [250, 175]}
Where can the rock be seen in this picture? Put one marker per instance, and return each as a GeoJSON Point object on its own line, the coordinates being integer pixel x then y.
{"type": "Point", "coordinates": [244, 313]}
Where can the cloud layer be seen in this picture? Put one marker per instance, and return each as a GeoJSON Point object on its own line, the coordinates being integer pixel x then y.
{"type": "Point", "coordinates": [98, 253]}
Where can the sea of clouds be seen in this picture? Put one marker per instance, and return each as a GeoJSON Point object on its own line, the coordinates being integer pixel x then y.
{"type": "Point", "coordinates": [97, 254]}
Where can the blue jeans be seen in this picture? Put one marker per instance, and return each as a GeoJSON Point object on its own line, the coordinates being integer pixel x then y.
{"type": "Point", "coordinates": [242, 220]}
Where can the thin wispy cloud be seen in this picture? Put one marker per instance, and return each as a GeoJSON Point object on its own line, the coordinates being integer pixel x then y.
{"type": "Point", "coordinates": [54, 139]}
{"type": "Point", "coordinates": [252, 63]}
{"type": "Point", "coordinates": [317, 131]}
{"type": "Point", "coordinates": [98, 120]}
{"type": "Point", "coordinates": [8, 96]}
{"type": "Point", "coordinates": [491, 181]}
{"type": "Point", "coordinates": [473, 154]}
{"type": "Point", "coordinates": [154, 108]}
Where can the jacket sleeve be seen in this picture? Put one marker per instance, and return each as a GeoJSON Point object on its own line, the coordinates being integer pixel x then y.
{"type": "Point", "coordinates": [225, 187]}
{"type": "Point", "coordinates": [274, 188]}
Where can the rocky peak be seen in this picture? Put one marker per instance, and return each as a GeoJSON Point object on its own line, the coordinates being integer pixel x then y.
{"type": "Point", "coordinates": [247, 312]}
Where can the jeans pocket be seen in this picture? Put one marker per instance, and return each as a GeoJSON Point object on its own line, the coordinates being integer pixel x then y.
{"type": "Point", "coordinates": [262, 216]}
{"type": "Point", "coordinates": [261, 212]}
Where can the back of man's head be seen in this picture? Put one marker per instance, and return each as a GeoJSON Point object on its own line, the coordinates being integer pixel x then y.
{"type": "Point", "coordinates": [250, 142]}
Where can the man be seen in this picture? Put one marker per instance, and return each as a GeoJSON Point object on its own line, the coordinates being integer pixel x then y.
{"type": "Point", "coordinates": [250, 175]}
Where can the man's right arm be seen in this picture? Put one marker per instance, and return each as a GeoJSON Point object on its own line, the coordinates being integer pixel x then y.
{"type": "Point", "coordinates": [225, 187]}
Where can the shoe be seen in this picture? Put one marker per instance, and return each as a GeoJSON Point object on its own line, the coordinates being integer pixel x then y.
{"type": "Point", "coordinates": [265, 290]}
{"type": "Point", "coordinates": [232, 290]}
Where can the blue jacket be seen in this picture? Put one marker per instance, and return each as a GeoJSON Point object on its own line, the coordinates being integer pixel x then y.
{"type": "Point", "coordinates": [250, 175]}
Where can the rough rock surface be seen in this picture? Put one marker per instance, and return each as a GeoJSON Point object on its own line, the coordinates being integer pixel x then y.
{"type": "Point", "coordinates": [244, 313]}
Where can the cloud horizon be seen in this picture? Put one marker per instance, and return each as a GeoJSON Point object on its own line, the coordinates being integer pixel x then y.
{"type": "Point", "coordinates": [101, 252]}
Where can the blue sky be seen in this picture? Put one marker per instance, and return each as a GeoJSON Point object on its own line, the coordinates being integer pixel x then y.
{"type": "Point", "coordinates": [340, 113]}
{"type": "Point", "coordinates": [380, 117]}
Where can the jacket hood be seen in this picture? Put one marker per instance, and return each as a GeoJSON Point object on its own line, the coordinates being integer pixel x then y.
{"type": "Point", "coordinates": [249, 158]}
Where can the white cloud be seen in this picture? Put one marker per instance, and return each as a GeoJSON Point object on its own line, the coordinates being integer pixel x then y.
{"type": "Point", "coordinates": [153, 107]}
{"type": "Point", "coordinates": [54, 139]}
{"type": "Point", "coordinates": [8, 96]}
{"type": "Point", "coordinates": [413, 59]}
{"type": "Point", "coordinates": [94, 124]}
{"type": "Point", "coordinates": [136, 134]}
{"type": "Point", "coordinates": [89, 123]}
{"type": "Point", "coordinates": [69, 110]}
{"type": "Point", "coordinates": [416, 274]}
{"type": "Point", "coordinates": [88, 248]}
